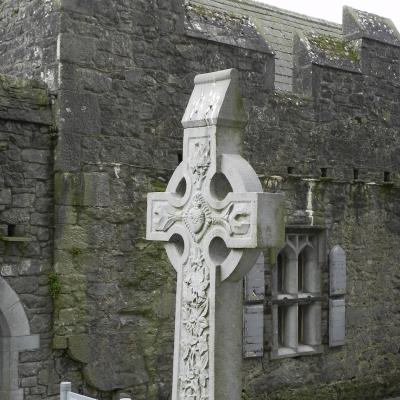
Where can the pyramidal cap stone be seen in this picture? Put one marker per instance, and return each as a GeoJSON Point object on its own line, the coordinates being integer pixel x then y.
{"type": "Point", "coordinates": [215, 101]}
{"type": "Point", "coordinates": [360, 24]}
{"type": "Point", "coordinates": [214, 219]}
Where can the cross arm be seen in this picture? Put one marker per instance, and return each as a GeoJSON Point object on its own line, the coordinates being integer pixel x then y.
{"type": "Point", "coordinates": [162, 216]}
{"type": "Point", "coordinates": [251, 220]}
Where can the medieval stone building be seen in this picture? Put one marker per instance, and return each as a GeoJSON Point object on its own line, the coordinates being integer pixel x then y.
{"type": "Point", "coordinates": [90, 106]}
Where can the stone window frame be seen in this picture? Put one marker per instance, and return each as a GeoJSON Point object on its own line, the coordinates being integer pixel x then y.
{"type": "Point", "coordinates": [310, 242]}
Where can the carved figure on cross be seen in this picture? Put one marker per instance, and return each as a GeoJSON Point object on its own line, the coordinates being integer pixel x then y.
{"type": "Point", "coordinates": [213, 218]}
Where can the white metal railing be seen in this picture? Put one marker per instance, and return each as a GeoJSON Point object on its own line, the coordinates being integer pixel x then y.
{"type": "Point", "coordinates": [66, 394]}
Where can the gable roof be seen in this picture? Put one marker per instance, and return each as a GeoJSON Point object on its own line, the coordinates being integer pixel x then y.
{"type": "Point", "coordinates": [278, 27]}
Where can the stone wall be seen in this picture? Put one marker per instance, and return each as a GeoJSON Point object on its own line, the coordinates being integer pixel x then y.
{"type": "Point", "coordinates": [28, 31]}
{"type": "Point", "coordinates": [26, 224]}
{"type": "Point", "coordinates": [126, 73]}
{"type": "Point", "coordinates": [122, 96]}
{"type": "Point", "coordinates": [361, 217]}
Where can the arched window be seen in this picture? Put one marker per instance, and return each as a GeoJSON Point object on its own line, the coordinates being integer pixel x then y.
{"type": "Point", "coordinates": [297, 296]}
{"type": "Point", "coordinates": [15, 336]}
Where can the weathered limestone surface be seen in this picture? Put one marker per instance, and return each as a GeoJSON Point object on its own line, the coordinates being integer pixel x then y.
{"type": "Point", "coordinates": [26, 240]}
{"type": "Point", "coordinates": [126, 76]}
{"type": "Point", "coordinates": [28, 31]}
{"type": "Point", "coordinates": [126, 73]}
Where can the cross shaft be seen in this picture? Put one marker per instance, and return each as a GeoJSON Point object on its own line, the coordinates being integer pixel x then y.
{"type": "Point", "coordinates": [214, 219]}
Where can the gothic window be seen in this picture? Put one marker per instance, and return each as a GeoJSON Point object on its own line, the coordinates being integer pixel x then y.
{"type": "Point", "coordinates": [296, 295]}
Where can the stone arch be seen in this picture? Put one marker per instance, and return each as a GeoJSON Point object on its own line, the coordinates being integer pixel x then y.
{"type": "Point", "coordinates": [15, 336]}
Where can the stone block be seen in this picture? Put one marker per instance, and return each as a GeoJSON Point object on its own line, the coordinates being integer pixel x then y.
{"type": "Point", "coordinates": [68, 157]}
{"type": "Point", "coordinates": [23, 200]}
{"type": "Point", "coordinates": [81, 113]}
{"type": "Point", "coordinates": [36, 156]}
{"type": "Point", "coordinates": [5, 196]}
{"type": "Point", "coordinates": [96, 189]}
{"type": "Point", "coordinates": [59, 343]}
{"type": "Point", "coordinates": [66, 215]}
{"type": "Point", "coordinates": [75, 49]}
{"type": "Point", "coordinates": [37, 171]}
{"type": "Point", "coordinates": [29, 267]}
{"type": "Point", "coordinates": [9, 270]}
{"type": "Point", "coordinates": [78, 6]}
{"type": "Point", "coordinates": [15, 216]}
{"type": "Point", "coordinates": [71, 237]}
{"type": "Point", "coordinates": [79, 348]}
{"type": "Point", "coordinates": [68, 188]}
{"type": "Point", "coordinates": [40, 219]}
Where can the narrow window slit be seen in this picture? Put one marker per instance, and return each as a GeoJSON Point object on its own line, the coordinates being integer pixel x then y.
{"type": "Point", "coordinates": [11, 230]}
{"type": "Point", "coordinates": [386, 176]}
{"type": "Point", "coordinates": [281, 278]}
{"type": "Point", "coordinates": [355, 174]}
{"type": "Point", "coordinates": [300, 272]}
{"type": "Point", "coordinates": [281, 326]}
{"type": "Point", "coordinates": [300, 328]}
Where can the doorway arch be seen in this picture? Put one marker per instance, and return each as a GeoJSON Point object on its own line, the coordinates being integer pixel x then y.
{"type": "Point", "coordinates": [15, 336]}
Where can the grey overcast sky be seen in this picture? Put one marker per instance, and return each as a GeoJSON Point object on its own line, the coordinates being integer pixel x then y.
{"type": "Point", "coordinates": [331, 10]}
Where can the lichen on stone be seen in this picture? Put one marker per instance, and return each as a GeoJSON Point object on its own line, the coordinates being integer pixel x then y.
{"type": "Point", "coordinates": [217, 15]}
{"type": "Point", "coordinates": [335, 47]}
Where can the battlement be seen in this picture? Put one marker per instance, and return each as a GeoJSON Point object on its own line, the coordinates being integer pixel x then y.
{"type": "Point", "coordinates": [370, 45]}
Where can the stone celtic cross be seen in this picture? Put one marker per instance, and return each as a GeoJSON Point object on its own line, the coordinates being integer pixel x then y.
{"type": "Point", "coordinates": [214, 219]}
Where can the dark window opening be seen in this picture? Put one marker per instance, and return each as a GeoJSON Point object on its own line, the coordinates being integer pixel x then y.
{"type": "Point", "coordinates": [179, 156]}
{"type": "Point", "coordinates": [11, 230]}
{"type": "Point", "coordinates": [281, 273]}
{"type": "Point", "coordinates": [300, 271]}
{"type": "Point", "coordinates": [300, 331]}
{"type": "Point", "coordinates": [324, 172]}
{"type": "Point", "coordinates": [355, 174]}
{"type": "Point", "coordinates": [386, 176]}
{"type": "Point", "coordinates": [281, 326]}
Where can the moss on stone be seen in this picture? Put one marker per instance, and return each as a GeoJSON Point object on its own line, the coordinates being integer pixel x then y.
{"type": "Point", "coordinates": [75, 251]}
{"type": "Point", "coordinates": [210, 13]}
{"type": "Point", "coordinates": [335, 47]}
{"type": "Point", "coordinates": [159, 186]}
{"type": "Point", "coordinates": [200, 10]}
{"type": "Point", "coordinates": [54, 285]}
{"type": "Point", "coordinates": [386, 188]}
{"type": "Point", "coordinates": [344, 390]}
{"type": "Point", "coordinates": [288, 99]}
{"type": "Point", "coordinates": [41, 97]}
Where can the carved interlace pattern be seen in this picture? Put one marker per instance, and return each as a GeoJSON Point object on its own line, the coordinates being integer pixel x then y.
{"type": "Point", "coordinates": [200, 161]}
{"type": "Point", "coordinates": [194, 368]}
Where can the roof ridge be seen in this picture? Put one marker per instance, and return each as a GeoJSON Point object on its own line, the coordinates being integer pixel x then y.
{"type": "Point", "coordinates": [258, 4]}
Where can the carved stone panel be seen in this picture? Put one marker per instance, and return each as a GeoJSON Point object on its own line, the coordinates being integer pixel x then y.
{"type": "Point", "coordinates": [254, 282]}
{"type": "Point", "coordinates": [253, 343]}
{"type": "Point", "coordinates": [337, 271]}
{"type": "Point", "coordinates": [337, 322]}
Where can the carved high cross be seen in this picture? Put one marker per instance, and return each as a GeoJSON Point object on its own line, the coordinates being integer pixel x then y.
{"type": "Point", "coordinates": [214, 219]}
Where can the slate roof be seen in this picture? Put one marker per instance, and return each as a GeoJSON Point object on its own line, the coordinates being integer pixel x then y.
{"type": "Point", "coordinates": [278, 27]}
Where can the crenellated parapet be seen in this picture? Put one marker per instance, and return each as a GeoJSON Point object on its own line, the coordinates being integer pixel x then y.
{"type": "Point", "coordinates": [370, 45]}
